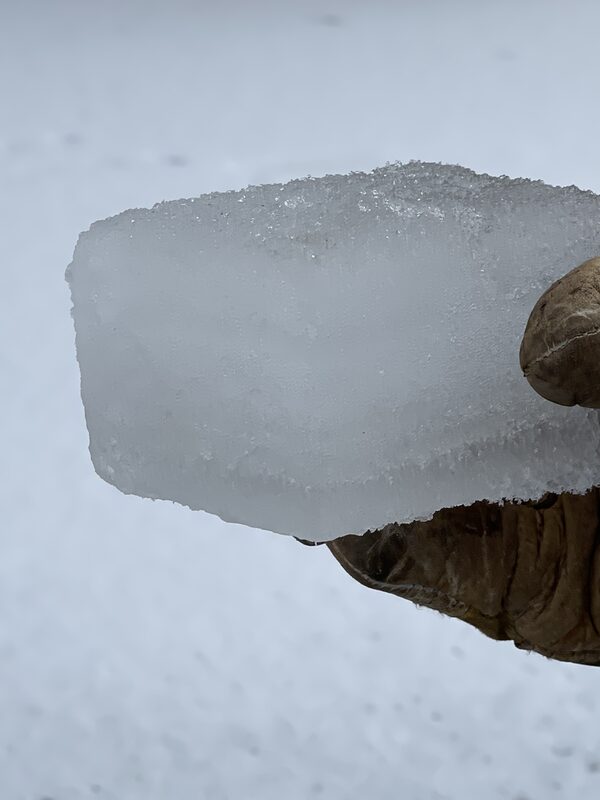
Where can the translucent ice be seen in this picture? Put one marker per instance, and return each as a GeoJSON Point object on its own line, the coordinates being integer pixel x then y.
{"type": "Point", "coordinates": [333, 354]}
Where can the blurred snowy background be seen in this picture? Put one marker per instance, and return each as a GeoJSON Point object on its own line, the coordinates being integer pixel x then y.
{"type": "Point", "coordinates": [148, 652]}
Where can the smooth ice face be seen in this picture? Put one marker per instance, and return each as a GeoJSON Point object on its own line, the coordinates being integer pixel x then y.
{"type": "Point", "coordinates": [333, 354]}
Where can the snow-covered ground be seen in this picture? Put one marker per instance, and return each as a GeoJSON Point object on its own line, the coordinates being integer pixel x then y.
{"type": "Point", "coordinates": [149, 652]}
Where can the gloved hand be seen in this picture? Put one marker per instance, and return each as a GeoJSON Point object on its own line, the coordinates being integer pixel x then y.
{"type": "Point", "coordinates": [530, 571]}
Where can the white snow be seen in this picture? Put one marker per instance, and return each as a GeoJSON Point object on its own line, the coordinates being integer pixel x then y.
{"type": "Point", "coordinates": [330, 355]}
{"type": "Point", "coordinates": [150, 652]}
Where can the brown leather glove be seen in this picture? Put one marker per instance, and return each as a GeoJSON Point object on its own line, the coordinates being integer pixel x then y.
{"type": "Point", "coordinates": [529, 572]}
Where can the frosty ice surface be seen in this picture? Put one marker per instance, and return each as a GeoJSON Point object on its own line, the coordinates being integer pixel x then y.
{"type": "Point", "coordinates": [332, 354]}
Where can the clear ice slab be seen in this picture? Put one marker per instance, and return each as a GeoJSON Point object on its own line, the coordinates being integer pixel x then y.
{"type": "Point", "coordinates": [333, 354]}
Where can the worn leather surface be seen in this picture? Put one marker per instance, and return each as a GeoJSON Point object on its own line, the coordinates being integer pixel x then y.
{"type": "Point", "coordinates": [561, 343]}
{"type": "Point", "coordinates": [528, 572]}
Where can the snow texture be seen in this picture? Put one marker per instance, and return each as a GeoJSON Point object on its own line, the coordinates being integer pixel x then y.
{"type": "Point", "coordinates": [332, 354]}
{"type": "Point", "coordinates": [148, 652]}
